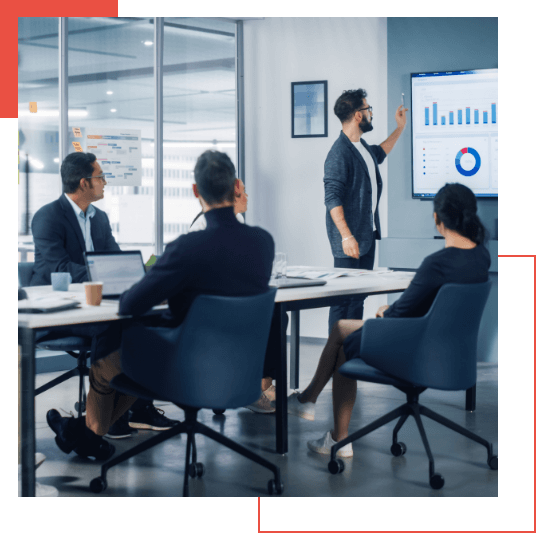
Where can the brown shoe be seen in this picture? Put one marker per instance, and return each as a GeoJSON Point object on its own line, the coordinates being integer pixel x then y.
{"type": "Point", "coordinates": [262, 405]}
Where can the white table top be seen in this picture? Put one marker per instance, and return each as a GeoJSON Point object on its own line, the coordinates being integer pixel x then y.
{"type": "Point", "coordinates": [374, 282]}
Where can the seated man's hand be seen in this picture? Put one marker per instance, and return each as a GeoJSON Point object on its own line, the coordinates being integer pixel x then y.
{"type": "Point", "coordinates": [379, 312]}
{"type": "Point", "coordinates": [165, 302]}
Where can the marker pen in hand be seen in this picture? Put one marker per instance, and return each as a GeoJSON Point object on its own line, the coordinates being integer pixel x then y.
{"type": "Point", "coordinates": [403, 101]}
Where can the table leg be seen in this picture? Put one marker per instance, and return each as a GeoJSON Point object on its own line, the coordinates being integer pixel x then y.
{"type": "Point", "coordinates": [470, 399]}
{"type": "Point", "coordinates": [281, 415]}
{"type": "Point", "coordinates": [295, 350]}
{"type": "Point", "coordinates": [27, 410]}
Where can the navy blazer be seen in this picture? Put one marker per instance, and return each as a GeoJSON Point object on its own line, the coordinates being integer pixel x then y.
{"type": "Point", "coordinates": [59, 242]}
{"type": "Point", "coordinates": [347, 184]}
{"type": "Point", "coordinates": [226, 259]}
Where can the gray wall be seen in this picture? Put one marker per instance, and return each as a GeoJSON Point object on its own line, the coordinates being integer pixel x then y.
{"type": "Point", "coordinates": [284, 175]}
{"type": "Point", "coordinates": [423, 45]}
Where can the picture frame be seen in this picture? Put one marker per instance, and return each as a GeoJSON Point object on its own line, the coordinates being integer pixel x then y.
{"type": "Point", "coordinates": [309, 109]}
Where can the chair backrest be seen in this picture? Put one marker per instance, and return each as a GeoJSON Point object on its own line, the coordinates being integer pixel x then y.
{"type": "Point", "coordinates": [214, 359]}
{"type": "Point", "coordinates": [25, 274]}
{"type": "Point", "coordinates": [439, 349]}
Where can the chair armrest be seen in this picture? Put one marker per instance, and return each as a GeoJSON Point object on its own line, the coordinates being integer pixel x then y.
{"type": "Point", "coordinates": [390, 345]}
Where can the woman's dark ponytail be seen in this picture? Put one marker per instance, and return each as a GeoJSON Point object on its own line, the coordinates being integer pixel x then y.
{"type": "Point", "coordinates": [455, 206]}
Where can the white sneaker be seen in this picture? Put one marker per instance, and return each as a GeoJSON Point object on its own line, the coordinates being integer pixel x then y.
{"type": "Point", "coordinates": [39, 460]}
{"type": "Point", "coordinates": [262, 405]}
{"type": "Point", "coordinates": [270, 393]}
{"type": "Point", "coordinates": [304, 410]}
{"type": "Point", "coordinates": [323, 445]}
{"type": "Point", "coordinates": [41, 490]}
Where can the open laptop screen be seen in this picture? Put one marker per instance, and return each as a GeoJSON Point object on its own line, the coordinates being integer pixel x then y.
{"type": "Point", "coordinates": [117, 270]}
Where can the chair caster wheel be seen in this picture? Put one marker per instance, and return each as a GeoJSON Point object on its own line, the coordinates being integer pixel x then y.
{"type": "Point", "coordinates": [98, 485]}
{"type": "Point", "coordinates": [492, 462]}
{"type": "Point", "coordinates": [196, 470]}
{"type": "Point", "coordinates": [274, 487]}
{"type": "Point", "coordinates": [398, 449]}
{"type": "Point", "coordinates": [336, 467]}
{"type": "Point", "coordinates": [80, 407]}
{"type": "Point", "coordinates": [437, 481]}
{"type": "Point", "coordinates": [218, 411]}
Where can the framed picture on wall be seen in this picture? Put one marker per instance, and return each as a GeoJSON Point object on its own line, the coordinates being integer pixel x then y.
{"type": "Point", "coordinates": [309, 109]}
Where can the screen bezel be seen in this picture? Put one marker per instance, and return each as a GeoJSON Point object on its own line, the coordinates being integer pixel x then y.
{"type": "Point", "coordinates": [415, 74]}
{"type": "Point", "coordinates": [121, 252]}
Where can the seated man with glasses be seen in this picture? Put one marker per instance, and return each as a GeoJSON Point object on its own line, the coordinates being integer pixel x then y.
{"type": "Point", "coordinates": [62, 230]}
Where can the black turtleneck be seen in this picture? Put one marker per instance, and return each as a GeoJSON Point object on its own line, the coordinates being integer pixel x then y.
{"type": "Point", "coordinates": [227, 258]}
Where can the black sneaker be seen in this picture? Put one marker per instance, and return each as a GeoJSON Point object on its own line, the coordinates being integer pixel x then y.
{"type": "Point", "coordinates": [91, 445]}
{"type": "Point", "coordinates": [121, 429]}
{"type": "Point", "coordinates": [150, 418]}
{"type": "Point", "coordinates": [67, 430]}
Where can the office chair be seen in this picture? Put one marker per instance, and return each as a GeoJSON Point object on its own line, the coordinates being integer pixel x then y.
{"type": "Point", "coordinates": [77, 347]}
{"type": "Point", "coordinates": [435, 351]}
{"type": "Point", "coordinates": [214, 360]}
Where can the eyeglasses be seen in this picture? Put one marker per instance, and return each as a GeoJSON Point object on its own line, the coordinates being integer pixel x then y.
{"type": "Point", "coordinates": [102, 177]}
{"type": "Point", "coordinates": [365, 108]}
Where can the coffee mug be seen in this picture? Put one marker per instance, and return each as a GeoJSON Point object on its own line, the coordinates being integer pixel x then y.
{"type": "Point", "coordinates": [60, 281]}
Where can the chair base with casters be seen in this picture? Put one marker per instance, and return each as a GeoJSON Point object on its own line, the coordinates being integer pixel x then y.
{"type": "Point", "coordinates": [358, 369]}
{"type": "Point", "coordinates": [190, 427]}
{"type": "Point", "coordinates": [69, 345]}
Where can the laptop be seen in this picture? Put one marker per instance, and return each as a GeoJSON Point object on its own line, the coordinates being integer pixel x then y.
{"type": "Point", "coordinates": [289, 283]}
{"type": "Point", "coordinates": [118, 271]}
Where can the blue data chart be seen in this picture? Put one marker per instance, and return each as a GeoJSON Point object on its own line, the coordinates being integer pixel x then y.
{"type": "Point", "coordinates": [475, 168]}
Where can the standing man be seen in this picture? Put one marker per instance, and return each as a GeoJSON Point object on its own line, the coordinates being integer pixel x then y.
{"type": "Point", "coordinates": [352, 190]}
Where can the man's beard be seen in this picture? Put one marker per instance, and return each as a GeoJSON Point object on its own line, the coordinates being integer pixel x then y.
{"type": "Point", "coordinates": [365, 125]}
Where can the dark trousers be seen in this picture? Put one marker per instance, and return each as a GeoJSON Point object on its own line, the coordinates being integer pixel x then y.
{"type": "Point", "coordinates": [352, 308]}
{"type": "Point", "coordinates": [270, 359]}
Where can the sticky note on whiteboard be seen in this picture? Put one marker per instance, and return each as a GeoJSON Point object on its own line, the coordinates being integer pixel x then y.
{"type": "Point", "coordinates": [77, 132]}
{"type": "Point", "coordinates": [77, 146]}
{"type": "Point", "coordinates": [33, 107]}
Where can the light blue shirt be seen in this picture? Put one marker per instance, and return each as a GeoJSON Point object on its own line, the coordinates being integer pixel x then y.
{"type": "Point", "coordinates": [84, 219]}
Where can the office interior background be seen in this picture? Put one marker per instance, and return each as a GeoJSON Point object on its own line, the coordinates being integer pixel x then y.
{"type": "Point", "coordinates": [111, 84]}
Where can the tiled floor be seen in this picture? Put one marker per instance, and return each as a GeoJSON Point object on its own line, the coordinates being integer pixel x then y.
{"type": "Point", "coordinates": [373, 471]}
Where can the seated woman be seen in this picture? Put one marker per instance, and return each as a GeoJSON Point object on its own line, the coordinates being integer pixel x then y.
{"type": "Point", "coordinates": [463, 260]}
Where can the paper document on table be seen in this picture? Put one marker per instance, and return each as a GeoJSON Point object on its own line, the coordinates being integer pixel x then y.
{"type": "Point", "coordinates": [367, 272]}
{"type": "Point", "coordinates": [47, 304]}
{"type": "Point", "coordinates": [315, 274]}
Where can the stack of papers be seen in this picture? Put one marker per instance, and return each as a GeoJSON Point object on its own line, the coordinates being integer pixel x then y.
{"type": "Point", "coordinates": [297, 272]}
{"type": "Point", "coordinates": [47, 304]}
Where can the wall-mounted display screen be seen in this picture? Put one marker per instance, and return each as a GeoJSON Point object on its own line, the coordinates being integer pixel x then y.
{"type": "Point", "coordinates": [454, 120]}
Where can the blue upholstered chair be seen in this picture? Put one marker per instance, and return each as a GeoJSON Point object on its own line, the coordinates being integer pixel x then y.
{"type": "Point", "coordinates": [214, 360]}
{"type": "Point", "coordinates": [435, 351]}
{"type": "Point", "coordinates": [77, 347]}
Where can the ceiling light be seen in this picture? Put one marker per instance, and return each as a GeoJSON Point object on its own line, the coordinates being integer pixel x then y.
{"type": "Point", "coordinates": [147, 43]}
{"type": "Point", "coordinates": [109, 92]}
{"type": "Point", "coordinates": [113, 110]}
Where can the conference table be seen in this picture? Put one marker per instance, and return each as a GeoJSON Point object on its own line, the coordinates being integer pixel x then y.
{"type": "Point", "coordinates": [291, 300]}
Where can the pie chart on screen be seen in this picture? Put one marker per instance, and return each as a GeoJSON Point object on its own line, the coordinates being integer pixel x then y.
{"type": "Point", "coordinates": [476, 167]}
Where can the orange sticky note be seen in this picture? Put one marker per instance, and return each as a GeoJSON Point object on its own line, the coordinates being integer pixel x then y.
{"type": "Point", "coordinates": [33, 107]}
{"type": "Point", "coordinates": [77, 132]}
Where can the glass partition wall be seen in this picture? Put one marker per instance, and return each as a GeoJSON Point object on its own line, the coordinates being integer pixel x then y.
{"type": "Point", "coordinates": [39, 181]}
{"type": "Point", "coordinates": [111, 85]}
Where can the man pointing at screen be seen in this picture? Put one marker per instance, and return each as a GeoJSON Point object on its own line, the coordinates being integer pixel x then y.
{"type": "Point", "coordinates": [352, 190]}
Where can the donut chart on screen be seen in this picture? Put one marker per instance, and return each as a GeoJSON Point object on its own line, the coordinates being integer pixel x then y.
{"type": "Point", "coordinates": [459, 167]}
